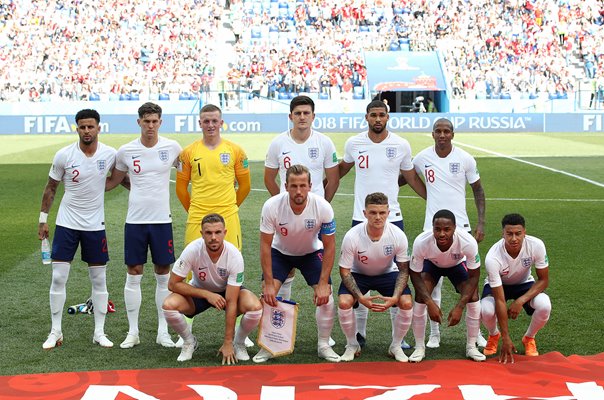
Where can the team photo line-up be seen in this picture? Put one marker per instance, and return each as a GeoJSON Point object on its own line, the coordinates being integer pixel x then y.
{"type": "Point", "coordinates": [302, 172]}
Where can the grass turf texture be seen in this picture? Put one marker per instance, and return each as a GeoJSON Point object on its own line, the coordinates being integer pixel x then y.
{"type": "Point", "coordinates": [565, 212]}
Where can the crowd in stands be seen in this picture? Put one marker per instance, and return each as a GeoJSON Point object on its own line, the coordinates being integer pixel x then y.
{"type": "Point", "coordinates": [71, 49]}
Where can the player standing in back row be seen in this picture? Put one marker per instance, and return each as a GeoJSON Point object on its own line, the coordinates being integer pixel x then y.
{"type": "Point", "coordinates": [446, 169]}
{"type": "Point", "coordinates": [379, 157]}
{"type": "Point", "coordinates": [305, 146]}
{"type": "Point", "coordinates": [82, 167]}
{"type": "Point", "coordinates": [220, 178]}
{"type": "Point", "coordinates": [147, 160]}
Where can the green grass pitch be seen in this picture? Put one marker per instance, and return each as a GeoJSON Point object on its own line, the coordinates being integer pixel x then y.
{"type": "Point", "coordinates": [554, 180]}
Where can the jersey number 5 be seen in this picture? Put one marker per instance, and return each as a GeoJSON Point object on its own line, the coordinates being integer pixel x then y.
{"type": "Point", "coordinates": [137, 166]}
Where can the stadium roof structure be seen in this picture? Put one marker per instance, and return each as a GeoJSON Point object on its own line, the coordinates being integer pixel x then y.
{"type": "Point", "coordinates": [404, 71]}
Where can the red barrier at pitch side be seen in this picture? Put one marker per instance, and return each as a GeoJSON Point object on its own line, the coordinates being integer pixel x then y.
{"type": "Point", "coordinates": [551, 376]}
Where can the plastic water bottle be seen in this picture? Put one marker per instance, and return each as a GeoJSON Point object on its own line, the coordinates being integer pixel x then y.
{"type": "Point", "coordinates": [45, 251]}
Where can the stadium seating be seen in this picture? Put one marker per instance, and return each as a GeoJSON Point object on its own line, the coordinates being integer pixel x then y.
{"type": "Point", "coordinates": [311, 42]}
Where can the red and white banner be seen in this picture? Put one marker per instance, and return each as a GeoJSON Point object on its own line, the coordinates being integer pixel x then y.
{"type": "Point", "coordinates": [548, 377]}
{"type": "Point", "coordinates": [277, 329]}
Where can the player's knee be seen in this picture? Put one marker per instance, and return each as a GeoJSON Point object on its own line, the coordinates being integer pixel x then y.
{"type": "Point", "coordinates": [542, 305]}
{"type": "Point", "coordinates": [59, 279]}
{"type": "Point", "coordinates": [173, 302]}
{"type": "Point", "coordinates": [135, 269]}
{"type": "Point", "coordinates": [249, 302]}
{"type": "Point", "coordinates": [405, 303]}
{"type": "Point", "coordinates": [487, 307]}
{"type": "Point", "coordinates": [345, 302]}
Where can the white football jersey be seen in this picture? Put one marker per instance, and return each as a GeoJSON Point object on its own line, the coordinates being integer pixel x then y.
{"type": "Point", "coordinates": [297, 235]}
{"type": "Point", "coordinates": [317, 153]}
{"type": "Point", "coordinates": [445, 180]}
{"type": "Point", "coordinates": [377, 167]}
{"type": "Point", "coordinates": [83, 204]}
{"type": "Point", "coordinates": [215, 277]}
{"type": "Point", "coordinates": [362, 255]}
{"type": "Point", "coordinates": [463, 248]}
{"type": "Point", "coordinates": [505, 270]}
{"type": "Point", "coordinates": [149, 172]}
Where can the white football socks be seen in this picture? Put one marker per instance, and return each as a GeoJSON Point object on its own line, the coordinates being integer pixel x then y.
{"type": "Point", "coordinates": [100, 297]}
{"type": "Point", "coordinates": [58, 293]}
{"type": "Point", "coordinates": [161, 292]}
{"type": "Point", "coordinates": [132, 300]}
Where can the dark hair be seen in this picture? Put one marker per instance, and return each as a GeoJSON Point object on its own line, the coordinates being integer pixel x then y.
{"type": "Point", "coordinates": [378, 198]}
{"type": "Point", "coordinates": [444, 214]}
{"type": "Point", "coordinates": [88, 113]}
{"type": "Point", "coordinates": [377, 104]}
{"type": "Point", "coordinates": [301, 101]}
{"type": "Point", "coordinates": [212, 219]}
{"type": "Point", "coordinates": [442, 120]}
{"type": "Point", "coordinates": [149, 108]}
{"type": "Point", "coordinates": [210, 108]}
{"type": "Point", "coordinates": [297, 169]}
{"type": "Point", "coordinates": [512, 219]}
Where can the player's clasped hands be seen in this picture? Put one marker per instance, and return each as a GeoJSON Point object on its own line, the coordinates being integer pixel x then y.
{"type": "Point", "coordinates": [228, 354]}
{"type": "Point", "coordinates": [217, 301]}
{"type": "Point", "coordinates": [514, 310]}
{"type": "Point", "coordinates": [383, 303]}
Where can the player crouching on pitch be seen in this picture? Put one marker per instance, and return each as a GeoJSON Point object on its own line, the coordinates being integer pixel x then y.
{"type": "Point", "coordinates": [367, 262]}
{"type": "Point", "coordinates": [450, 252]}
{"type": "Point", "coordinates": [217, 269]}
{"type": "Point", "coordinates": [508, 264]}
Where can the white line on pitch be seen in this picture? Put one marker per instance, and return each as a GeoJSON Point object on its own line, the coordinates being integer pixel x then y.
{"type": "Point", "coordinates": [532, 163]}
{"type": "Point", "coordinates": [488, 198]}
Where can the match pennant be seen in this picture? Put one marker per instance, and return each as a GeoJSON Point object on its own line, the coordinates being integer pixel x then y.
{"type": "Point", "coordinates": [277, 330]}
